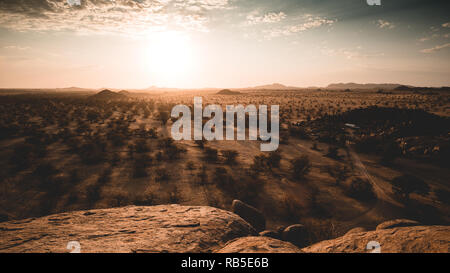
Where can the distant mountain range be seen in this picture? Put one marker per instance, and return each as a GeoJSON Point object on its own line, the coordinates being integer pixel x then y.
{"type": "Point", "coordinates": [73, 89]}
{"type": "Point", "coordinates": [383, 86]}
{"type": "Point", "coordinates": [351, 85]}
{"type": "Point", "coordinates": [274, 86]}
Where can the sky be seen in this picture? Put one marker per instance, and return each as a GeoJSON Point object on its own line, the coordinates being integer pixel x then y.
{"type": "Point", "coordinates": [133, 44]}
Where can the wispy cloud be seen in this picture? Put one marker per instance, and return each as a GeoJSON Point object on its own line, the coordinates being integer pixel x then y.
{"type": "Point", "coordinates": [436, 48]}
{"type": "Point", "coordinates": [16, 47]}
{"type": "Point", "coordinates": [351, 53]}
{"type": "Point", "coordinates": [436, 33]}
{"type": "Point", "coordinates": [271, 17]}
{"type": "Point", "coordinates": [385, 24]}
{"type": "Point", "coordinates": [307, 22]}
{"type": "Point", "coordinates": [130, 17]}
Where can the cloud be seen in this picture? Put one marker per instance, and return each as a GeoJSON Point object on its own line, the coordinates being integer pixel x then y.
{"type": "Point", "coordinates": [436, 48]}
{"type": "Point", "coordinates": [436, 33]}
{"type": "Point", "coordinates": [308, 22]}
{"type": "Point", "coordinates": [350, 53]}
{"type": "Point", "coordinates": [129, 17]}
{"type": "Point", "coordinates": [16, 47]}
{"type": "Point", "coordinates": [271, 17]}
{"type": "Point", "coordinates": [385, 24]}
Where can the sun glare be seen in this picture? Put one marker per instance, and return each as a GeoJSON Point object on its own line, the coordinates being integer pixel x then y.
{"type": "Point", "coordinates": [170, 57]}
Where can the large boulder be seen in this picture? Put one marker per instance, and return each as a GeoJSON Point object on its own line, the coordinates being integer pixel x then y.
{"type": "Point", "coordinates": [417, 239]}
{"type": "Point", "coordinates": [356, 230]}
{"type": "Point", "coordinates": [397, 223]}
{"type": "Point", "coordinates": [165, 228]}
{"type": "Point", "coordinates": [296, 234]}
{"type": "Point", "coordinates": [271, 234]}
{"type": "Point", "coordinates": [259, 244]}
{"type": "Point", "coordinates": [249, 214]}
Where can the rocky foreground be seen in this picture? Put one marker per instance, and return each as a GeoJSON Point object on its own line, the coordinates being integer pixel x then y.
{"type": "Point", "coordinates": [175, 228]}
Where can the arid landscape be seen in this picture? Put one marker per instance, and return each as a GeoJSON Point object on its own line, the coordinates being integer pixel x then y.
{"type": "Point", "coordinates": [224, 126]}
{"type": "Point", "coordinates": [347, 158]}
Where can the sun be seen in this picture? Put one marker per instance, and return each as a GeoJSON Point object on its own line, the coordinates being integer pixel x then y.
{"type": "Point", "coordinates": [169, 57]}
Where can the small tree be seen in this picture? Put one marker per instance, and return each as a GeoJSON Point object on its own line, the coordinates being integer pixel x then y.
{"type": "Point", "coordinates": [339, 173]}
{"type": "Point", "coordinates": [259, 164]}
{"type": "Point", "coordinates": [230, 156]}
{"type": "Point", "coordinates": [301, 166]}
{"type": "Point", "coordinates": [201, 143]}
{"type": "Point", "coordinates": [273, 160]}
{"type": "Point", "coordinates": [203, 175]}
{"type": "Point", "coordinates": [406, 184]}
{"type": "Point", "coordinates": [222, 178]}
{"type": "Point", "coordinates": [211, 154]}
{"type": "Point", "coordinates": [164, 117]}
{"type": "Point", "coordinates": [333, 152]}
{"type": "Point", "coordinates": [361, 189]}
{"type": "Point", "coordinates": [190, 165]}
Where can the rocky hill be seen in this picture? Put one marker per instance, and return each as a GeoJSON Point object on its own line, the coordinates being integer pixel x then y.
{"type": "Point", "coordinates": [412, 239]}
{"type": "Point", "coordinates": [175, 228]}
{"type": "Point", "coordinates": [228, 92]}
{"type": "Point", "coordinates": [108, 95]}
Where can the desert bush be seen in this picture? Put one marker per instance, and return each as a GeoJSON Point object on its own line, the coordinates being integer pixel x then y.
{"type": "Point", "coordinates": [273, 160]}
{"type": "Point", "coordinates": [45, 170]}
{"type": "Point", "coordinates": [301, 166]}
{"type": "Point", "coordinates": [174, 195]}
{"type": "Point", "coordinates": [299, 132]}
{"type": "Point", "coordinates": [200, 143]}
{"type": "Point", "coordinates": [339, 172]}
{"type": "Point", "coordinates": [105, 176]}
{"type": "Point", "coordinates": [333, 152]}
{"type": "Point", "coordinates": [222, 179]}
{"type": "Point", "coordinates": [230, 156]}
{"type": "Point", "coordinates": [443, 196]}
{"type": "Point", "coordinates": [248, 189]}
{"type": "Point", "coordinates": [92, 153]}
{"type": "Point", "coordinates": [169, 149]}
{"type": "Point", "coordinates": [211, 154]}
{"type": "Point", "coordinates": [140, 167]}
{"type": "Point", "coordinates": [163, 117]}
{"type": "Point", "coordinates": [162, 174]}
{"type": "Point", "coordinates": [173, 152]}
{"type": "Point", "coordinates": [360, 189]}
{"type": "Point", "coordinates": [290, 209]}
{"type": "Point", "coordinates": [284, 136]}
{"type": "Point", "coordinates": [190, 165]}
{"type": "Point", "coordinates": [93, 193]}
{"type": "Point", "coordinates": [142, 146]}
{"type": "Point", "coordinates": [315, 147]}
{"type": "Point", "coordinates": [203, 175]}
{"type": "Point", "coordinates": [145, 199]}
{"type": "Point", "coordinates": [259, 164]}
{"type": "Point", "coordinates": [406, 184]}
{"type": "Point", "coordinates": [119, 199]}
